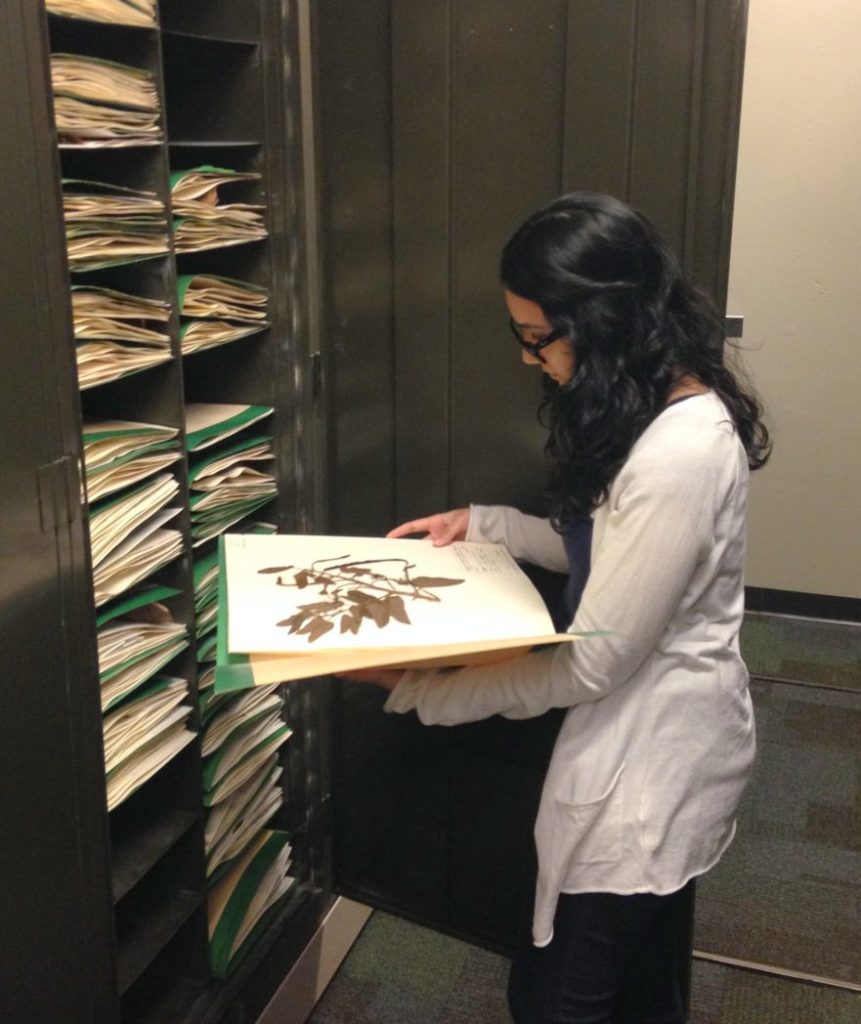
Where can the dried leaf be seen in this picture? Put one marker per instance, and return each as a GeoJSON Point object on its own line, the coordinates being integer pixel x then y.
{"type": "Point", "coordinates": [301, 579]}
{"type": "Point", "coordinates": [428, 582]}
{"type": "Point", "coordinates": [316, 628]}
{"type": "Point", "coordinates": [397, 609]}
{"type": "Point", "coordinates": [349, 623]}
{"type": "Point", "coordinates": [294, 622]}
{"type": "Point", "coordinates": [274, 568]}
{"type": "Point", "coordinates": [378, 611]}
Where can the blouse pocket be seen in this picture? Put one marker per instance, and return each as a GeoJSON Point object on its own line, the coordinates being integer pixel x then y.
{"type": "Point", "coordinates": [590, 832]}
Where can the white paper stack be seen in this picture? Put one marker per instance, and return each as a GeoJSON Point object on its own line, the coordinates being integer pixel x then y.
{"type": "Point", "coordinates": [113, 335]}
{"type": "Point", "coordinates": [111, 522]}
{"type": "Point", "coordinates": [242, 755]}
{"type": "Point", "coordinates": [100, 103]}
{"type": "Point", "coordinates": [136, 638]}
{"type": "Point", "coordinates": [111, 444]}
{"type": "Point", "coordinates": [226, 488]}
{"type": "Point", "coordinates": [108, 225]}
{"type": "Point", "coordinates": [198, 335]}
{"type": "Point", "coordinates": [141, 13]}
{"type": "Point", "coordinates": [225, 298]}
{"type": "Point", "coordinates": [144, 551]}
{"type": "Point", "coordinates": [143, 734]}
{"type": "Point", "coordinates": [232, 824]}
{"type": "Point", "coordinates": [205, 223]}
{"type": "Point", "coordinates": [205, 593]}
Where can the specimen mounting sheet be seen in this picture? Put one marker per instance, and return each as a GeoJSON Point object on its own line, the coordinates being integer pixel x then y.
{"type": "Point", "coordinates": [304, 594]}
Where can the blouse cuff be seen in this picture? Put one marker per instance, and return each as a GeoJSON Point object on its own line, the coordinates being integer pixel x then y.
{"type": "Point", "coordinates": [405, 695]}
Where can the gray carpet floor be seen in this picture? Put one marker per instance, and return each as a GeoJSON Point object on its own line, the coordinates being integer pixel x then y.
{"type": "Point", "coordinates": [788, 890]}
{"type": "Point", "coordinates": [399, 973]}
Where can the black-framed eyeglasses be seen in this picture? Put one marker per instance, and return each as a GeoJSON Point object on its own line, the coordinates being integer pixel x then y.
{"type": "Point", "coordinates": [534, 347]}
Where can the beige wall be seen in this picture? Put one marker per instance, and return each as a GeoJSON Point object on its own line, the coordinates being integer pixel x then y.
{"type": "Point", "coordinates": [795, 276]}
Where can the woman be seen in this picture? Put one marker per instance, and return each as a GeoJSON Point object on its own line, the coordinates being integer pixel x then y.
{"type": "Point", "coordinates": [650, 441]}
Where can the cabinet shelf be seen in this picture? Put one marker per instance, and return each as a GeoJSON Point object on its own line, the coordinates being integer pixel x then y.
{"type": "Point", "coordinates": [137, 851]}
{"type": "Point", "coordinates": [154, 927]}
{"type": "Point", "coordinates": [193, 144]}
{"type": "Point", "coordinates": [212, 89]}
{"type": "Point", "coordinates": [173, 1000]}
{"type": "Point", "coordinates": [212, 19]}
{"type": "Point", "coordinates": [219, 39]}
{"type": "Point", "coordinates": [156, 907]}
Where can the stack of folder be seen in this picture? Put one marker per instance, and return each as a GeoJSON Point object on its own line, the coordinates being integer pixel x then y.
{"type": "Point", "coordinates": [201, 221]}
{"type": "Point", "coordinates": [235, 820]}
{"type": "Point", "coordinates": [225, 487]}
{"type": "Point", "coordinates": [233, 824]}
{"type": "Point", "coordinates": [206, 589]}
{"type": "Point", "coordinates": [224, 310]}
{"type": "Point", "coordinates": [136, 638]}
{"type": "Point", "coordinates": [205, 295]}
{"type": "Point", "coordinates": [100, 103]}
{"type": "Point", "coordinates": [111, 521]}
{"type": "Point", "coordinates": [108, 225]}
{"type": "Point", "coordinates": [127, 537]}
{"type": "Point", "coordinates": [114, 336]}
{"type": "Point", "coordinates": [244, 902]}
{"type": "Point", "coordinates": [205, 574]}
{"type": "Point", "coordinates": [246, 865]}
{"type": "Point", "coordinates": [116, 12]}
{"type": "Point", "coordinates": [145, 713]}
{"type": "Point", "coordinates": [243, 753]}
{"type": "Point", "coordinates": [142, 735]}
{"type": "Point", "coordinates": [197, 335]}
{"type": "Point", "coordinates": [119, 453]}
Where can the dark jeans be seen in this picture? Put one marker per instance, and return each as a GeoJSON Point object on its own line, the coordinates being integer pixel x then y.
{"type": "Point", "coordinates": [613, 960]}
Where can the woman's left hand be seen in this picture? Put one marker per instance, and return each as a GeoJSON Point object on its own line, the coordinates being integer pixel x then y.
{"type": "Point", "coordinates": [386, 678]}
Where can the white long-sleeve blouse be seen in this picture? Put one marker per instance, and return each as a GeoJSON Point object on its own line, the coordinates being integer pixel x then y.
{"type": "Point", "coordinates": [658, 741]}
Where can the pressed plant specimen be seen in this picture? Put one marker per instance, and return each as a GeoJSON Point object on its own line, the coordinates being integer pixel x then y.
{"type": "Point", "coordinates": [351, 591]}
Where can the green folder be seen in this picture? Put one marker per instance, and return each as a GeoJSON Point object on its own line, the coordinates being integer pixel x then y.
{"type": "Point", "coordinates": [247, 416]}
{"type": "Point", "coordinates": [129, 602]}
{"type": "Point", "coordinates": [240, 887]}
{"type": "Point", "coordinates": [195, 469]}
{"type": "Point", "coordinates": [232, 671]}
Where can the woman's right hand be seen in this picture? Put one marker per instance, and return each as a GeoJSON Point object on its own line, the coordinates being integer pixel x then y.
{"type": "Point", "coordinates": [443, 528]}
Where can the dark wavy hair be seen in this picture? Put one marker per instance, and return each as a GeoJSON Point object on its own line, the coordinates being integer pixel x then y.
{"type": "Point", "coordinates": [604, 277]}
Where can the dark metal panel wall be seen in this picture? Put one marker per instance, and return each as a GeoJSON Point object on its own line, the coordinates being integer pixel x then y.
{"type": "Point", "coordinates": [720, 108]}
{"type": "Point", "coordinates": [651, 115]}
{"type": "Point", "coordinates": [507, 105]}
{"type": "Point", "coordinates": [421, 101]}
{"type": "Point", "coordinates": [599, 96]}
{"type": "Point", "coordinates": [389, 780]}
{"type": "Point", "coordinates": [354, 115]}
{"type": "Point", "coordinates": [662, 125]}
{"type": "Point", "coordinates": [56, 941]}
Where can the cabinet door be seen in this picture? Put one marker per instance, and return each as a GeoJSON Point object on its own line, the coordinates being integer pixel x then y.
{"type": "Point", "coordinates": [56, 935]}
{"type": "Point", "coordinates": [442, 125]}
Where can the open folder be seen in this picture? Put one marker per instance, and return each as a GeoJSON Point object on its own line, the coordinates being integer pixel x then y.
{"type": "Point", "coordinates": [294, 607]}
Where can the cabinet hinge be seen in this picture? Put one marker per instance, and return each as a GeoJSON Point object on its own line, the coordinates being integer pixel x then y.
{"type": "Point", "coordinates": [58, 484]}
